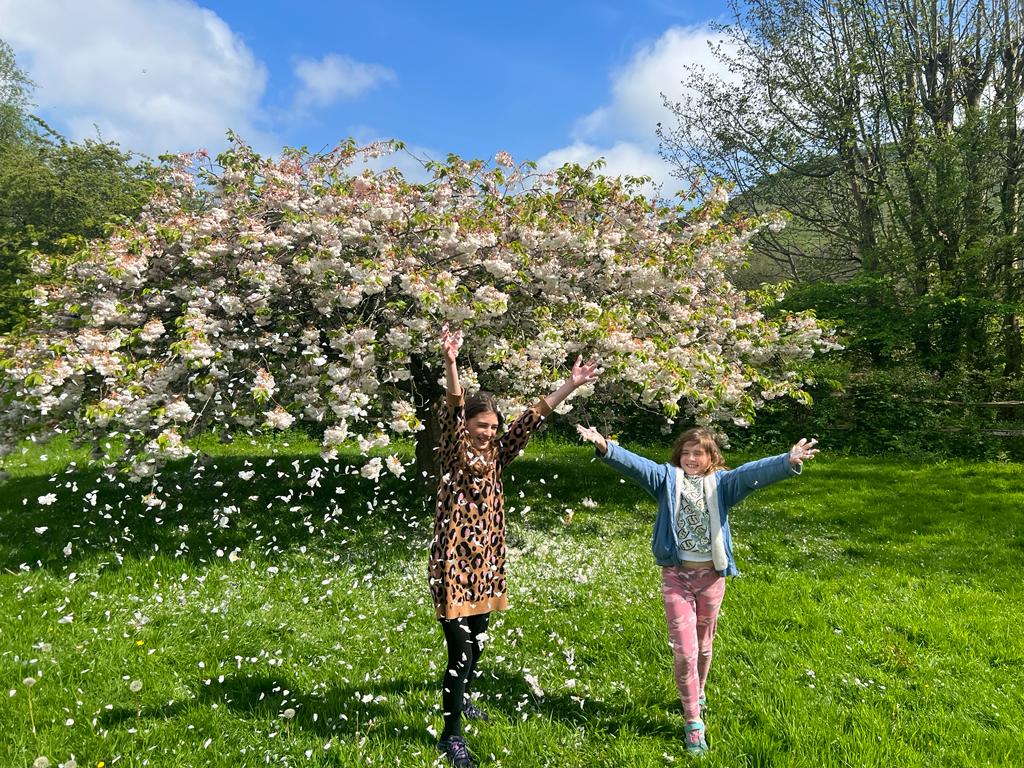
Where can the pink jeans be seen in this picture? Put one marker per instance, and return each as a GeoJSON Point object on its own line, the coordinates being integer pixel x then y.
{"type": "Point", "coordinates": [692, 599]}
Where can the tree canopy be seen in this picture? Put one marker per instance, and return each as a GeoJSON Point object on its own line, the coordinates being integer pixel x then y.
{"type": "Point", "coordinates": [889, 135]}
{"type": "Point", "coordinates": [255, 292]}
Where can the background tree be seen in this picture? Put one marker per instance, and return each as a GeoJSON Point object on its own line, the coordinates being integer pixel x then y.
{"type": "Point", "coordinates": [54, 194]}
{"type": "Point", "coordinates": [888, 131]}
{"type": "Point", "coordinates": [15, 89]}
{"type": "Point", "coordinates": [254, 292]}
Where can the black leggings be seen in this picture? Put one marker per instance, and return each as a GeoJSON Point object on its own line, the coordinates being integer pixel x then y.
{"type": "Point", "coordinates": [464, 649]}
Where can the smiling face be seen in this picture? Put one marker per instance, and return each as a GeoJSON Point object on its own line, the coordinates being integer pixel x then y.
{"type": "Point", "coordinates": [482, 429]}
{"type": "Point", "coordinates": [696, 451]}
{"type": "Point", "coordinates": [694, 458]}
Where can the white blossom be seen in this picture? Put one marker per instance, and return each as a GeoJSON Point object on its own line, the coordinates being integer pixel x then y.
{"type": "Point", "coordinates": [179, 410]}
{"type": "Point", "coordinates": [278, 418]}
{"type": "Point", "coordinates": [371, 470]}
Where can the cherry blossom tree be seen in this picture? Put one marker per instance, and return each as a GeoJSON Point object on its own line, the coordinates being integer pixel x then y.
{"type": "Point", "coordinates": [255, 293]}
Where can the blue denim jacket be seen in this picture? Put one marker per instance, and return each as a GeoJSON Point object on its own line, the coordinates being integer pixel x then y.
{"type": "Point", "coordinates": [723, 489]}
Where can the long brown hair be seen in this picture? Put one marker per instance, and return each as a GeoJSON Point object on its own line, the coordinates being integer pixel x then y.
{"type": "Point", "coordinates": [705, 438]}
{"type": "Point", "coordinates": [483, 402]}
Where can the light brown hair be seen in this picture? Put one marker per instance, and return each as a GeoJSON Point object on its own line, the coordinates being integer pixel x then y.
{"type": "Point", "coordinates": [705, 438]}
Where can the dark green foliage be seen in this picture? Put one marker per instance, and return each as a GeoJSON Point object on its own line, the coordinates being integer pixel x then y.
{"type": "Point", "coordinates": [903, 382]}
{"type": "Point", "coordinates": [15, 87]}
{"type": "Point", "coordinates": [889, 137]}
{"type": "Point", "coordinates": [53, 193]}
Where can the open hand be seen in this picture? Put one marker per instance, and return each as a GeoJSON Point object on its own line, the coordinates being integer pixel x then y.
{"type": "Point", "coordinates": [802, 451]}
{"type": "Point", "coordinates": [591, 435]}
{"type": "Point", "coordinates": [584, 373]}
{"type": "Point", "coordinates": [451, 343]}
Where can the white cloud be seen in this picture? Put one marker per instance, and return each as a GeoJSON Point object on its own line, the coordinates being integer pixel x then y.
{"type": "Point", "coordinates": [337, 76]}
{"type": "Point", "coordinates": [623, 130]}
{"type": "Point", "coordinates": [636, 105]}
{"type": "Point", "coordinates": [621, 159]}
{"type": "Point", "coordinates": [155, 75]}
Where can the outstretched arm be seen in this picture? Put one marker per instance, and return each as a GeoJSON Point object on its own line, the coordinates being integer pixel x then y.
{"type": "Point", "coordinates": [737, 484]}
{"type": "Point", "coordinates": [649, 475]}
{"type": "Point", "coordinates": [451, 342]}
{"type": "Point", "coordinates": [515, 438]}
{"type": "Point", "coordinates": [802, 451]}
{"type": "Point", "coordinates": [591, 435]}
{"type": "Point", "coordinates": [582, 373]}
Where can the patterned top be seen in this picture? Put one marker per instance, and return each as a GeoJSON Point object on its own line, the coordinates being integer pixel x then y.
{"type": "Point", "coordinates": [693, 521]}
{"type": "Point", "coordinates": [467, 552]}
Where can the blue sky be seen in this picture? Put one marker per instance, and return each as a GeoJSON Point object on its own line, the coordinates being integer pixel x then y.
{"type": "Point", "coordinates": [550, 81]}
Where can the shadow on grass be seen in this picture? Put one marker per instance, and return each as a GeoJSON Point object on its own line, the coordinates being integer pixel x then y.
{"type": "Point", "coordinates": [197, 511]}
{"type": "Point", "coordinates": [856, 512]}
{"type": "Point", "coordinates": [297, 500]}
{"type": "Point", "coordinates": [339, 712]}
{"type": "Point", "coordinates": [348, 711]}
{"type": "Point", "coordinates": [658, 718]}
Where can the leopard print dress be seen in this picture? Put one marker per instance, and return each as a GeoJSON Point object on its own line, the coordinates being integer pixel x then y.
{"type": "Point", "coordinates": [467, 553]}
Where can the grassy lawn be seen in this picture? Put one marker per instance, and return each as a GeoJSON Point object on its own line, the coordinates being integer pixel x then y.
{"type": "Point", "coordinates": [283, 618]}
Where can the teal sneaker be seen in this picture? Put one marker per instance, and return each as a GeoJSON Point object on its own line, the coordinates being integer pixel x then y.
{"type": "Point", "coordinates": [696, 742]}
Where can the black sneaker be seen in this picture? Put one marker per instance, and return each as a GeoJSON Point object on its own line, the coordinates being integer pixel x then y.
{"type": "Point", "coordinates": [472, 712]}
{"type": "Point", "coordinates": [458, 754]}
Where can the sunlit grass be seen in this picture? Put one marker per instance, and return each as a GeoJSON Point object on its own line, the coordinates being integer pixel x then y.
{"type": "Point", "coordinates": [271, 621]}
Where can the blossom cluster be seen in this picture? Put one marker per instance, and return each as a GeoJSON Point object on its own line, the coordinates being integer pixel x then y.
{"type": "Point", "coordinates": [255, 293]}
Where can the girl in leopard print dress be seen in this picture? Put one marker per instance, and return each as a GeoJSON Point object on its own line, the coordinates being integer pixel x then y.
{"type": "Point", "coordinates": [467, 552]}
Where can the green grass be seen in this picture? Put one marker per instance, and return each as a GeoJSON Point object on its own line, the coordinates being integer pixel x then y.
{"type": "Point", "coordinates": [877, 622]}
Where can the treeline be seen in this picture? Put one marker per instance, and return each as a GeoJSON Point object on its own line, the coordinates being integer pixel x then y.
{"type": "Point", "coordinates": [888, 132]}
{"type": "Point", "coordinates": [54, 193]}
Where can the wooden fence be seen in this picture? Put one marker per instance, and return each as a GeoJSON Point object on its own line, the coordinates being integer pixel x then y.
{"type": "Point", "coordinates": [1008, 404]}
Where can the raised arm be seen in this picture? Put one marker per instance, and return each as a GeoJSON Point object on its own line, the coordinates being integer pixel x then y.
{"type": "Point", "coordinates": [451, 416]}
{"type": "Point", "coordinates": [512, 443]}
{"type": "Point", "coordinates": [582, 373]}
{"type": "Point", "coordinates": [451, 343]}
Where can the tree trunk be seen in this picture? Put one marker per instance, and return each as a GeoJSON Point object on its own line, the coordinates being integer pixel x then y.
{"type": "Point", "coordinates": [427, 441]}
{"type": "Point", "coordinates": [426, 396]}
{"type": "Point", "coordinates": [1013, 347]}
{"type": "Point", "coordinates": [1010, 90]}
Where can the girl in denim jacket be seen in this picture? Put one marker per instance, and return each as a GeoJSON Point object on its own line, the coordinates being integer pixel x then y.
{"type": "Point", "coordinates": [692, 543]}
